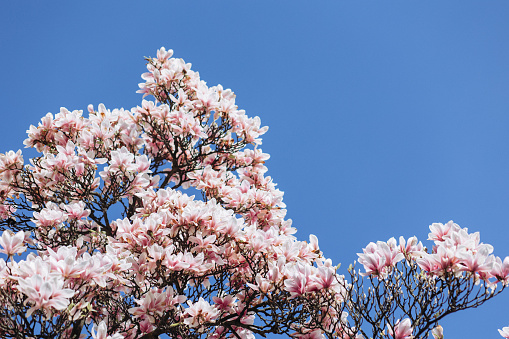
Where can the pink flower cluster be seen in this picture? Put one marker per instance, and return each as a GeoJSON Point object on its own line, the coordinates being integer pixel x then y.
{"type": "Point", "coordinates": [455, 252]}
{"type": "Point", "coordinates": [47, 282]}
{"type": "Point", "coordinates": [174, 234]}
{"type": "Point", "coordinates": [168, 246]}
{"type": "Point", "coordinates": [378, 259]}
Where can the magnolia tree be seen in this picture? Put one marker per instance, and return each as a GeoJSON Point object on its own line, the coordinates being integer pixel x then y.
{"type": "Point", "coordinates": [99, 239]}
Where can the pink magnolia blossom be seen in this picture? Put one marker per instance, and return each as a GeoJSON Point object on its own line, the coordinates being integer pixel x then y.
{"type": "Point", "coordinates": [374, 263]}
{"type": "Point", "coordinates": [411, 247]}
{"type": "Point", "coordinates": [10, 165]}
{"type": "Point", "coordinates": [380, 257]}
{"type": "Point", "coordinates": [478, 262]}
{"type": "Point", "coordinates": [262, 284]}
{"type": "Point", "coordinates": [152, 304]}
{"type": "Point", "coordinates": [504, 332]}
{"type": "Point", "coordinates": [500, 270]}
{"type": "Point", "coordinates": [402, 329]}
{"type": "Point", "coordinates": [100, 332]}
{"type": "Point", "coordinates": [440, 231]}
{"type": "Point", "coordinates": [225, 302]}
{"type": "Point", "coordinates": [438, 332]}
{"type": "Point", "coordinates": [45, 292]}
{"type": "Point", "coordinates": [199, 313]}
{"type": "Point", "coordinates": [12, 243]}
{"type": "Point", "coordinates": [299, 281]}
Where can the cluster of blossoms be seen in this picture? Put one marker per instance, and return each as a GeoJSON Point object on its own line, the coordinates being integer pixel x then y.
{"type": "Point", "coordinates": [459, 272]}
{"type": "Point", "coordinates": [116, 249]}
{"type": "Point", "coordinates": [455, 252]}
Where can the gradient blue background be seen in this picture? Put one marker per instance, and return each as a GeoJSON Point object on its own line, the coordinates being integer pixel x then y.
{"type": "Point", "coordinates": [384, 116]}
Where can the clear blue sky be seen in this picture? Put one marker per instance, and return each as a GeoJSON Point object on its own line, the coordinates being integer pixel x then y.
{"type": "Point", "coordinates": [384, 116]}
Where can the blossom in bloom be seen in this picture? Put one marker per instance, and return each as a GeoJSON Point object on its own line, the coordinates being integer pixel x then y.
{"type": "Point", "coordinates": [440, 231]}
{"type": "Point", "coordinates": [379, 258]}
{"type": "Point", "coordinates": [45, 292]}
{"type": "Point", "coordinates": [402, 329]}
{"type": "Point", "coordinates": [263, 285]}
{"type": "Point", "coordinates": [151, 305]}
{"type": "Point", "coordinates": [411, 247]}
{"type": "Point", "coordinates": [199, 313]}
{"type": "Point", "coordinates": [12, 243]}
{"type": "Point", "coordinates": [100, 332]}
{"type": "Point", "coordinates": [10, 165]}
{"type": "Point", "coordinates": [225, 302]}
{"type": "Point", "coordinates": [500, 270]}
{"type": "Point", "coordinates": [478, 262]}
{"type": "Point", "coordinates": [299, 280]}
{"type": "Point", "coordinates": [373, 263]}
{"type": "Point", "coordinates": [504, 332]}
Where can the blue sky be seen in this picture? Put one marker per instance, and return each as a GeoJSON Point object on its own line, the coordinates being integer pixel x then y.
{"type": "Point", "coordinates": [384, 116]}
